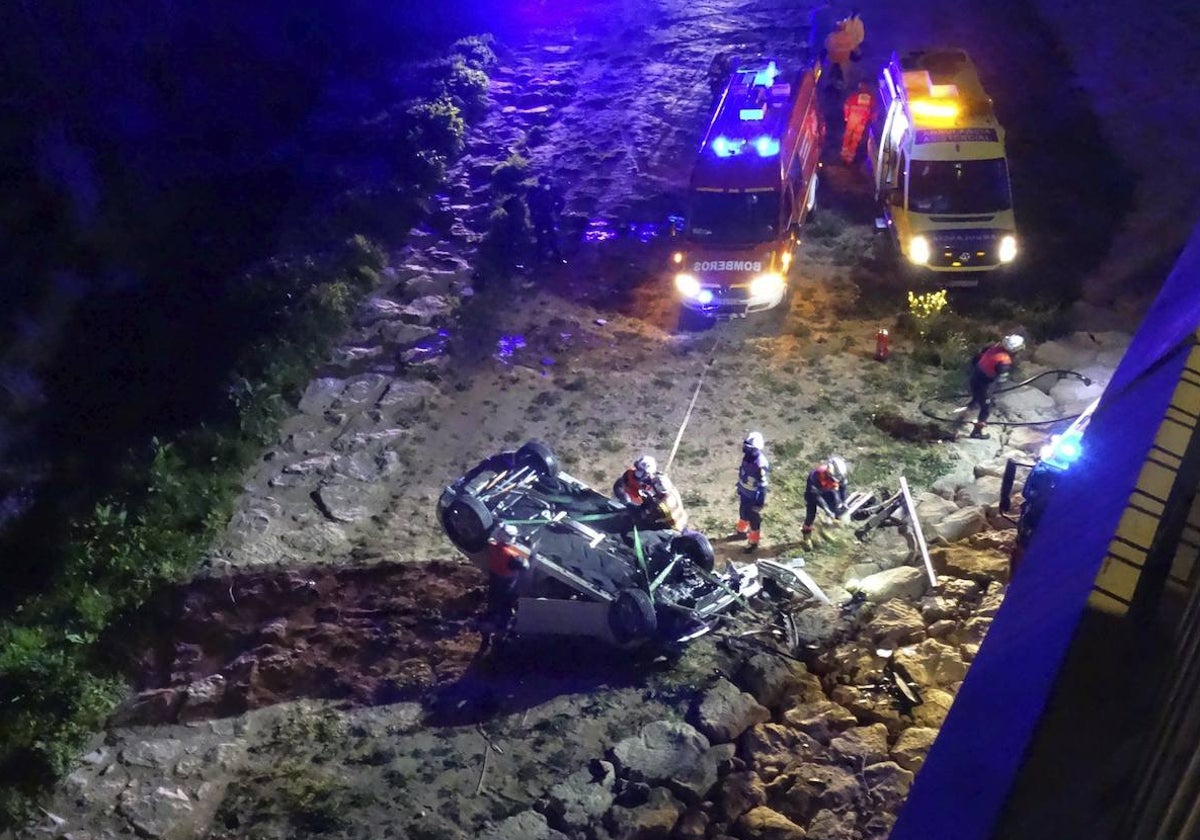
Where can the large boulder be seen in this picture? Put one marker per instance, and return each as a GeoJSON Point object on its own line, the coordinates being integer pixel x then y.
{"type": "Point", "coordinates": [652, 820]}
{"type": "Point", "coordinates": [889, 784]}
{"type": "Point", "coordinates": [932, 663]}
{"type": "Point", "coordinates": [807, 788]}
{"type": "Point", "coordinates": [934, 708]}
{"type": "Point", "coordinates": [861, 745]}
{"type": "Point", "coordinates": [158, 811]}
{"type": "Point", "coordinates": [896, 623]}
{"type": "Point", "coordinates": [769, 678]}
{"type": "Point", "coordinates": [870, 707]}
{"type": "Point", "coordinates": [1026, 405]}
{"type": "Point", "coordinates": [906, 582]}
{"type": "Point", "coordinates": [912, 746]}
{"type": "Point", "coordinates": [527, 825]}
{"type": "Point", "coordinates": [958, 525]}
{"type": "Point", "coordinates": [822, 719]}
{"type": "Point", "coordinates": [763, 823]}
{"type": "Point", "coordinates": [738, 793]}
{"type": "Point", "coordinates": [581, 799]}
{"type": "Point", "coordinates": [770, 747]}
{"type": "Point", "coordinates": [932, 507]}
{"type": "Point", "coordinates": [980, 565]}
{"type": "Point", "coordinates": [983, 492]}
{"type": "Point", "coordinates": [831, 825]}
{"type": "Point", "coordinates": [670, 753]}
{"type": "Point", "coordinates": [725, 712]}
{"type": "Point", "coordinates": [425, 310]}
{"type": "Point", "coordinates": [818, 625]}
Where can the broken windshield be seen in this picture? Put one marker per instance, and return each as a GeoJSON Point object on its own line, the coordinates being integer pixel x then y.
{"type": "Point", "coordinates": [961, 186]}
{"type": "Point", "coordinates": [743, 218]}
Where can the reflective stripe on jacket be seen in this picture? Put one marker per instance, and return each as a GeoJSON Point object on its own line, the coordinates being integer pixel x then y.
{"type": "Point", "coordinates": [753, 476]}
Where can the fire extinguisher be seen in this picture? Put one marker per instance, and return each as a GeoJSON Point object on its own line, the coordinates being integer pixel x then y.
{"type": "Point", "coordinates": [882, 348]}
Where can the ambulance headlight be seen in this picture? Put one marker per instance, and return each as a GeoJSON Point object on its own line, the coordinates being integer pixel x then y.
{"type": "Point", "coordinates": [766, 285]}
{"type": "Point", "coordinates": [1008, 249]}
{"type": "Point", "coordinates": [918, 250]}
{"type": "Point", "coordinates": [677, 257]}
{"type": "Point", "coordinates": [687, 285]}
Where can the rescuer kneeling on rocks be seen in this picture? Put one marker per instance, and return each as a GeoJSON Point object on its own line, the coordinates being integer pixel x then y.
{"type": "Point", "coordinates": [991, 365]}
{"type": "Point", "coordinates": [753, 480]}
{"type": "Point", "coordinates": [825, 490]}
{"type": "Point", "coordinates": [506, 561]}
{"type": "Point", "coordinates": [644, 487]}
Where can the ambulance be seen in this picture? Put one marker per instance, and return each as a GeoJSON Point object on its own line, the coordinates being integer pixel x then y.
{"type": "Point", "coordinates": [939, 165]}
{"type": "Point", "coordinates": [753, 185]}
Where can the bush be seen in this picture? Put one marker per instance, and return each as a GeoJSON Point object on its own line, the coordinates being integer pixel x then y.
{"type": "Point", "coordinates": [476, 51]}
{"type": "Point", "coordinates": [466, 87]}
{"type": "Point", "coordinates": [509, 176]}
{"type": "Point", "coordinates": [506, 243]}
{"type": "Point", "coordinates": [436, 128]}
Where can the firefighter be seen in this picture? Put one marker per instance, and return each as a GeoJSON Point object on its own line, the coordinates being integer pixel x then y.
{"type": "Point", "coordinates": [857, 111]}
{"type": "Point", "coordinates": [753, 482]}
{"type": "Point", "coordinates": [825, 490]}
{"type": "Point", "coordinates": [545, 203]}
{"type": "Point", "coordinates": [506, 561]}
{"type": "Point", "coordinates": [644, 487]}
{"type": "Point", "coordinates": [991, 365]}
{"type": "Point", "coordinates": [838, 46]}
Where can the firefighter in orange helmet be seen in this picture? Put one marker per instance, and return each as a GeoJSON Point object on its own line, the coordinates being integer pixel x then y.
{"type": "Point", "coordinates": [993, 364]}
{"type": "Point", "coordinates": [857, 110]}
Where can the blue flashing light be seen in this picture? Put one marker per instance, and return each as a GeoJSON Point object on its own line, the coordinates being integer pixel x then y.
{"type": "Point", "coordinates": [704, 297]}
{"type": "Point", "coordinates": [766, 146]}
{"type": "Point", "coordinates": [1064, 451]}
{"type": "Point", "coordinates": [766, 76]}
{"type": "Point", "coordinates": [752, 114]}
{"type": "Point", "coordinates": [721, 147]}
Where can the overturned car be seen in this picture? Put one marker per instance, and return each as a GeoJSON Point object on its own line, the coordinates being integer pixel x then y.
{"type": "Point", "coordinates": [597, 567]}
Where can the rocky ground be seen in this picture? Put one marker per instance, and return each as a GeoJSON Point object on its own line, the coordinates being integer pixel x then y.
{"type": "Point", "coordinates": [322, 676]}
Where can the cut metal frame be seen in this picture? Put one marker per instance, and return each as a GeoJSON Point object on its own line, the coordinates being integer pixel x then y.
{"type": "Point", "coordinates": [902, 499]}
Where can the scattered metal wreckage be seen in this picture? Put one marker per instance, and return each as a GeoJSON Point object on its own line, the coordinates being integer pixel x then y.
{"type": "Point", "coordinates": [603, 569]}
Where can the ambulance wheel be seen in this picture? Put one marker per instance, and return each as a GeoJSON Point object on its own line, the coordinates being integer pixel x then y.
{"type": "Point", "coordinates": [695, 547]}
{"type": "Point", "coordinates": [467, 522]}
{"type": "Point", "coordinates": [631, 616]}
{"type": "Point", "coordinates": [539, 457]}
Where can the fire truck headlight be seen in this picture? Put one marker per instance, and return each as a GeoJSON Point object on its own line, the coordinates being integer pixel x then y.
{"type": "Point", "coordinates": [1008, 249]}
{"type": "Point", "coordinates": [918, 250]}
{"type": "Point", "coordinates": [677, 257]}
{"type": "Point", "coordinates": [687, 285]}
{"type": "Point", "coordinates": [766, 285]}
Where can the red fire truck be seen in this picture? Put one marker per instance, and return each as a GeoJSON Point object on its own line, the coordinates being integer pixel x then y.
{"type": "Point", "coordinates": [753, 185]}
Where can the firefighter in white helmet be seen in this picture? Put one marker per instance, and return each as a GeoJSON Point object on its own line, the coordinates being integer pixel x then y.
{"type": "Point", "coordinates": [992, 364]}
{"type": "Point", "coordinates": [753, 482]}
{"type": "Point", "coordinates": [644, 487]}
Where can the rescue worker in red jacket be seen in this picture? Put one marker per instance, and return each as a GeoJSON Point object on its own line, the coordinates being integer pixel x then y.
{"type": "Point", "coordinates": [825, 490]}
{"type": "Point", "coordinates": [506, 560]}
{"type": "Point", "coordinates": [753, 482]}
{"type": "Point", "coordinates": [644, 487]}
{"type": "Point", "coordinates": [857, 111]}
{"type": "Point", "coordinates": [993, 364]}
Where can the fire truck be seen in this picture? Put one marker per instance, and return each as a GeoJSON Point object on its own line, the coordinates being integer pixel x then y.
{"type": "Point", "coordinates": [940, 171]}
{"type": "Point", "coordinates": [753, 184]}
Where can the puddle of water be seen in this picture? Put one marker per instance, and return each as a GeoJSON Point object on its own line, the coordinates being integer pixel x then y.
{"type": "Point", "coordinates": [603, 230]}
{"type": "Point", "coordinates": [599, 230]}
{"type": "Point", "coordinates": [508, 345]}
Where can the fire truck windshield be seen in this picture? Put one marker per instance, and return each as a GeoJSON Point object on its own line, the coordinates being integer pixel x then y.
{"type": "Point", "coordinates": [960, 186]}
{"type": "Point", "coordinates": [734, 218]}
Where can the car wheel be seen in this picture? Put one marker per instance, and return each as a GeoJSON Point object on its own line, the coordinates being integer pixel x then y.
{"type": "Point", "coordinates": [539, 457]}
{"type": "Point", "coordinates": [695, 547]}
{"type": "Point", "coordinates": [467, 522]}
{"type": "Point", "coordinates": [631, 616]}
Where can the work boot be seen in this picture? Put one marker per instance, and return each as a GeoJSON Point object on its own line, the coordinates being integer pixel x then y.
{"type": "Point", "coordinates": [752, 546]}
{"type": "Point", "coordinates": [978, 432]}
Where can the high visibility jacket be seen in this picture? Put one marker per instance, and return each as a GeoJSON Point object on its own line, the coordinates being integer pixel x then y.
{"type": "Point", "coordinates": [825, 488]}
{"type": "Point", "coordinates": [754, 477]}
{"type": "Point", "coordinates": [504, 560]}
{"type": "Point", "coordinates": [857, 31]}
{"type": "Point", "coordinates": [629, 489]}
{"type": "Point", "coordinates": [670, 503]}
{"type": "Point", "coordinates": [857, 107]}
{"type": "Point", "coordinates": [994, 362]}
{"type": "Point", "coordinates": [839, 45]}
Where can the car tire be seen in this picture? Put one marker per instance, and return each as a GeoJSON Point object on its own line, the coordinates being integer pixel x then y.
{"type": "Point", "coordinates": [631, 617]}
{"type": "Point", "coordinates": [695, 547]}
{"type": "Point", "coordinates": [539, 457]}
{"type": "Point", "coordinates": [467, 522]}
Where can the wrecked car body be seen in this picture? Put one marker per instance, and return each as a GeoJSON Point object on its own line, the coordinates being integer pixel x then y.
{"type": "Point", "coordinates": [597, 567]}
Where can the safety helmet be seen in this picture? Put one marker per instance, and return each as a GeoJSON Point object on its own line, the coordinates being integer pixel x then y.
{"type": "Point", "coordinates": [645, 467]}
{"type": "Point", "coordinates": [1013, 343]}
{"type": "Point", "coordinates": [837, 467]}
{"type": "Point", "coordinates": [754, 440]}
{"type": "Point", "coordinates": [504, 533]}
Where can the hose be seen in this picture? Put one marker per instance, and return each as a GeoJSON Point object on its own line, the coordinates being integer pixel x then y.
{"type": "Point", "coordinates": [958, 397]}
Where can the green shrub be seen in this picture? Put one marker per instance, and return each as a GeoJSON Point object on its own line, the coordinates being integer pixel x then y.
{"type": "Point", "coordinates": [508, 176]}
{"type": "Point", "coordinates": [437, 128]}
{"type": "Point", "coordinates": [476, 50]}
{"type": "Point", "coordinates": [466, 87]}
